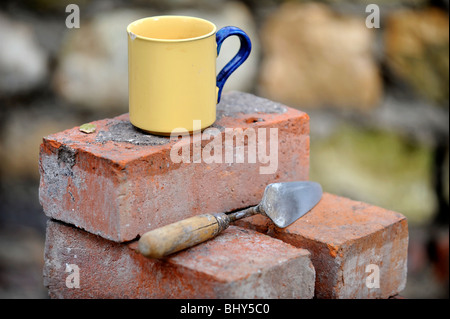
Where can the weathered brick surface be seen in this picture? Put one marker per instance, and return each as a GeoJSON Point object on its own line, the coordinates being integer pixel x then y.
{"type": "Point", "coordinates": [344, 237]}
{"type": "Point", "coordinates": [119, 183]}
{"type": "Point", "coordinates": [239, 263]}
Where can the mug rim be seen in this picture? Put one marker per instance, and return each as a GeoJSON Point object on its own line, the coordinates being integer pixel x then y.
{"type": "Point", "coordinates": [134, 35]}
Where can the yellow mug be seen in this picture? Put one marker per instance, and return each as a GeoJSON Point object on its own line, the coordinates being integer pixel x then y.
{"type": "Point", "coordinates": [172, 72]}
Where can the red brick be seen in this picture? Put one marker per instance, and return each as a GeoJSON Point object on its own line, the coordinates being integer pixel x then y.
{"type": "Point", "coordinates": [343, 237]}
{"type": "Point", "coordinates": [239, 263]}
{"type": "Point", "coordinates": [108, 185]}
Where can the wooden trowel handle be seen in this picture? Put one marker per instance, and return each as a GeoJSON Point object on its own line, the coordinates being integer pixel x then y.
{"type": "Point", "coordinates": [169, 239]}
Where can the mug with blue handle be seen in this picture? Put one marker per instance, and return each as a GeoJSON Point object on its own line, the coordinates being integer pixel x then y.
{"type": "Point", "coordinates": [173, 87]}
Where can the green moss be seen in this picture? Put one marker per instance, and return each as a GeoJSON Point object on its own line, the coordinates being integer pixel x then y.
{"type": "Point", "coordinates": [377, 167]}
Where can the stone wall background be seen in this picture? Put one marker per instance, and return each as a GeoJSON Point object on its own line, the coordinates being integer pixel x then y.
{"type": "Point", "coordinates": [378, 101]}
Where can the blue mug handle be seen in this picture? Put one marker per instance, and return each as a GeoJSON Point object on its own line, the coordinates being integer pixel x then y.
{"type": "Point", "coordinates": [237, 60]}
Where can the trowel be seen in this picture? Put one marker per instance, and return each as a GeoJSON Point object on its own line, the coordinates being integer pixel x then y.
{"type": "Point", "coordinates": [283, 203]}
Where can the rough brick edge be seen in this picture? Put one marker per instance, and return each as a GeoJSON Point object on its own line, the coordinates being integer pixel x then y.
{"type": "Point", "coordinates": [105, 211]}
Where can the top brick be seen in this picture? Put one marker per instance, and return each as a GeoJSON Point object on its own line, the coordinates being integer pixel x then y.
{"type": "Point", "coordinates": [119, 182]}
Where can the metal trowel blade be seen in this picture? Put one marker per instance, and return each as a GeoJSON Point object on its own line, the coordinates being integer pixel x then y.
{"type": "Point", "coordinates": [286, 202]}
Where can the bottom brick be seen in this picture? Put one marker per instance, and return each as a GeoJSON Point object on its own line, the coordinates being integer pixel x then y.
{"type": "Point", "coordinates": [358, 250]}
{"type": "Point", "coordinates": [239, 263]}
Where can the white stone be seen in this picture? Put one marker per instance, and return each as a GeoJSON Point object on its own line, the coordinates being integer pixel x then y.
{"type": "Point", "coordinates": [23, 63]}
{"type": "Point", "coordinates": [93, 66]}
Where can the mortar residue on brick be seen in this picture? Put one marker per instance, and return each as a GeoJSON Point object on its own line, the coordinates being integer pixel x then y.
{"type": "Point", "coordinates": [231, 105]}
{"type": "Point", "coordinates": [124, 131]}
{"type": "Point", "coordinates": [234, 103]}
{"type": "Point", "coordinates": [66, 155]}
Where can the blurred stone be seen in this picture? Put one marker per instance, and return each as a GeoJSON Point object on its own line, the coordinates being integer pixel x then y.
{"type": "Point", "coordinates": [55, 6]}
{"type": "Point", "coordinates": [93, 64]}
{"type": "Point", "coordinates": [49, 33]}
{"type": "Point", "coordinates": [438, 249]}
{"type": "Point", "coordinates": [23, 63]}
{"type": "Point", "coordinates": [314, 57]}
{"type": "Point", "coordinates": [445, 178]}
{"type": "Point", "coordinates": [422, 280]}
{"type": "Point", "coordinates": [22, 133]}
{"type": "Point", "coordinates": [21, 263]}
{"type": "Point", "coordinates": [19, 203]}
{"type": "Point", "coordinates": [378, 167]}
{"type": "Point", "coordinates": [379, 2]}
{"type": "Point", "coordinates": [186, 3]}
{"type": "Point", "coordinates": [416, 120]}
{"type": "Point", "coordinates": [417, 51]}
{"type": "Point", "coordinates": [233, 14]}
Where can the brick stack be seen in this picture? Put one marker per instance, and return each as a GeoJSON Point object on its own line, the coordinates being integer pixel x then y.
{"type": "Point", "coordinates": [103, 190]}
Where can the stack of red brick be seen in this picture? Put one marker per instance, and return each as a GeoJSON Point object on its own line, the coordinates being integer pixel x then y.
{"type": "Point", "coordinates": [105, 189]}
